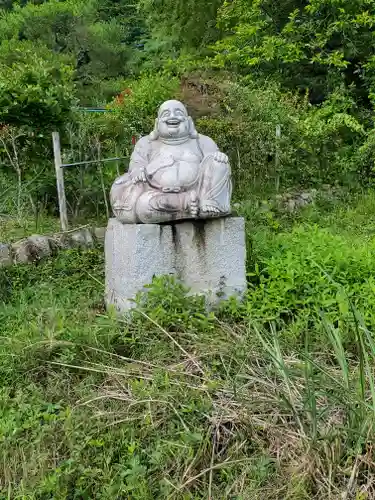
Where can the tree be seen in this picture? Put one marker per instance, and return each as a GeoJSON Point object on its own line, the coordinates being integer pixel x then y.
{"type": "Point", "coordinates": [187, 23]}
{"type": "Point", "coordinates": [10, 4]}
{"type": "Point", "coordinates": [74, 28]}
{"type": "Point", "coordinates": [36, 86]}
{"type": "Point", "coordinates": [314, 45]}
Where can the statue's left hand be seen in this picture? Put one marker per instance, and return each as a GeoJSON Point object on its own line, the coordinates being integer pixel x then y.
{"type": "Point", "coordinates": [221, 157]}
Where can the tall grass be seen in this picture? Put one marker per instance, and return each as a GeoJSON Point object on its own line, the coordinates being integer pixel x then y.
{"type": "Point", "coordinates": [233, 414]}
{"type": "Point", "coordinates": [180, 404]}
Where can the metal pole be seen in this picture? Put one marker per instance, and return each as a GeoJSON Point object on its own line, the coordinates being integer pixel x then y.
{"type": "Point", "coordinates": [80, 163]}
{"type": "Point", "coordinates": [60, 181]}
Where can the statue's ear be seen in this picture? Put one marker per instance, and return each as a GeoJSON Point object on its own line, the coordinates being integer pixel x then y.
{"type": "Point", "coordinates": [155, 133]}
{"type": "Point", "coordinates": [192, 130]}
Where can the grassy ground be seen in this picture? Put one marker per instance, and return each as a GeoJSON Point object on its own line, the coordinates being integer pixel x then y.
{"type": "Point", "coordinates": [272, 398]}
{"type": "Point", "coordinates": [13, 229]}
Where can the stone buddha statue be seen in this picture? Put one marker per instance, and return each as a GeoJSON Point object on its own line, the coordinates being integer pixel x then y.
{"type": "Point", "coordinates": [174, 173]}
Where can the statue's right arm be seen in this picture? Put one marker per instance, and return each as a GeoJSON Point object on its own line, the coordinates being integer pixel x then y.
{"type": "Point", "coordinates": [138, 162]}
{"type": "Point", "coordinates": [139, 158]}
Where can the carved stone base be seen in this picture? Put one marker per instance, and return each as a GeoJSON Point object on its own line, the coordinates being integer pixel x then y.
{"type": "Point", "coordinates": [208, 256]}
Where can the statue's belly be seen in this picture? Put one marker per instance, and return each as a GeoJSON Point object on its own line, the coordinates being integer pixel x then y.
{"type": "Point", "coordinates": [180, 174]}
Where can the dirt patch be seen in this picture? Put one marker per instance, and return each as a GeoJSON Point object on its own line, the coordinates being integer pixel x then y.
{"type": "Point", "coordinates": [202, 95]}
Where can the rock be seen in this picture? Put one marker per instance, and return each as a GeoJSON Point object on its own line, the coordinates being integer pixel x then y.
{"type": "Point", "coordinates": [5, 255]}
{"type": "Point", "coordinates": [25, 251]}
{"type": "Point", "coordinates": [99, 233]}
{"type": "Point", "coordinates": [42, 244]}
{"type": "Point", "coordinates": [294, 201]}
{"type": "Point", "coordinates": [61, 240]}
{"type": "Point", "coordinates": [303, 203]}
{"type": "Point", "coordinates": [81, 238]}
{"type": "Point", "coordinates": [208, 257]}
{"type": "Point", "coordinates": [38, 247]}
{"type": "Point", "coordinates": [291, 205]}
{"type": "Point", "coordinates": [33, 249]}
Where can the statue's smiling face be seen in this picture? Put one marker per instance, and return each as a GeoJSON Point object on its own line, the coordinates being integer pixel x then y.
{"type": "Point", "coordinates": [173, 120]}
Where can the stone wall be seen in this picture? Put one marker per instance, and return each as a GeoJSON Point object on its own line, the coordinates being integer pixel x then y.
{"type": "Point", "coordinates": [37, 247]}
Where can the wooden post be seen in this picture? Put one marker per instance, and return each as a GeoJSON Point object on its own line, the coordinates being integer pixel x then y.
{"type": "Point", "coordinates": [117, 162]}
{"type": "Point", "coordinates": [277, 157]}
{"type": "Point", "coordinates": [60, 181]}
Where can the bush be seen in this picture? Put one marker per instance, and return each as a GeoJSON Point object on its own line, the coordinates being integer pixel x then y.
{"type": "Point", "coordinates": [315, 145]}
{"type": "Point", "coordinates": [310, 271]}
{"type": "Point", "coordinates": [36, 87]}
{"type": "Point", "coordinates": [87, 136]}
{"type": "Point", "coordinates": [246, 130]}
{"type": "Point", "coordinates": [314, 46]}
{"type": "Point", "coordinates": [97, 407]}
{"type": "Point", "coordinates": [98, 48]}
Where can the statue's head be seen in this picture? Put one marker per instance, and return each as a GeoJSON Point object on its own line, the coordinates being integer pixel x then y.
{"type": "Point", "coordinates": [173, 123]}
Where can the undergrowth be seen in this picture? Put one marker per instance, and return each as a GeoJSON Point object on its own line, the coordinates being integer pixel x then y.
{"type": "Point", "coordinates": [274, 397]}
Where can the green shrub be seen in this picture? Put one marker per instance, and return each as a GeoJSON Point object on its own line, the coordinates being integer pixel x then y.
{"type": "Point", "coordinates": [167, 303]}
{"type": "Point", "coordinates": [314, 46]}
{"type": "Point", "coordinates": [36, 87]}
{"type": "Point", "coordinates": [86, 136]}
{"type": "Point", "coordinates": [308, 272]}
{"type": "Point", "coordinates": [171, 21]}
{"type": "Point", "coordinates": [315, 145]}
{"type": "Point", "coordinates": [97, 47]}
{"type": "Point", "coordinates": [246, 130]}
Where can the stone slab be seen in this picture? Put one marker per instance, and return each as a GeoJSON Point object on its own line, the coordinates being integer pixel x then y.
{"type": "Point", "coordinates": [134, 253]}
{"type": "Point", "coordinates": [211, 257]}
{"type": "Point", "coordinates": [208, 256]}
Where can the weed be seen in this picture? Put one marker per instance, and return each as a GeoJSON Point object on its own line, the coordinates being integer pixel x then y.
{"type": "Point", "coordinates": [273, 396]}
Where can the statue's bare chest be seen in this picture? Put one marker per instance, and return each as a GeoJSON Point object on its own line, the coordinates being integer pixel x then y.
{"type": "Point", "coordinates": [172, 166]}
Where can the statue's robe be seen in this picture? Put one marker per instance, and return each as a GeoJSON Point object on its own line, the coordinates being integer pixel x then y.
{"type": "Point", "coordinates": [178, 175]}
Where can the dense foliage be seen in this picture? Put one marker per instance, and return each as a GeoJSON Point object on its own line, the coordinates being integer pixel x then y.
{"type": "Point", "coordinates": [316, 45]}
{"type": "Point", "coordinates": [246, 69]}
{"type": "Point", "coordinates": [36, 87]}
{"type": "Point", "coordinates": [273, 397]}
{"type": "Point", "coordinates": [276, 395]}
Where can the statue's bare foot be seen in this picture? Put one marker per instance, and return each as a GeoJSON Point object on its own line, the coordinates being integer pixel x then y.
{"type": "Point", "coordinates": [194, 205]}
{"type": "Point", "coordinates": [209, 209]}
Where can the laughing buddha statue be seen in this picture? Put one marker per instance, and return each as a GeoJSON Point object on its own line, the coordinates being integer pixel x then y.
{"type": "Point", "coordinates": [174, 173]}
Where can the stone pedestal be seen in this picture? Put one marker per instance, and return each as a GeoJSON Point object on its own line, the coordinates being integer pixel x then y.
{"type": "Point", "coordinates": [208, 256]}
